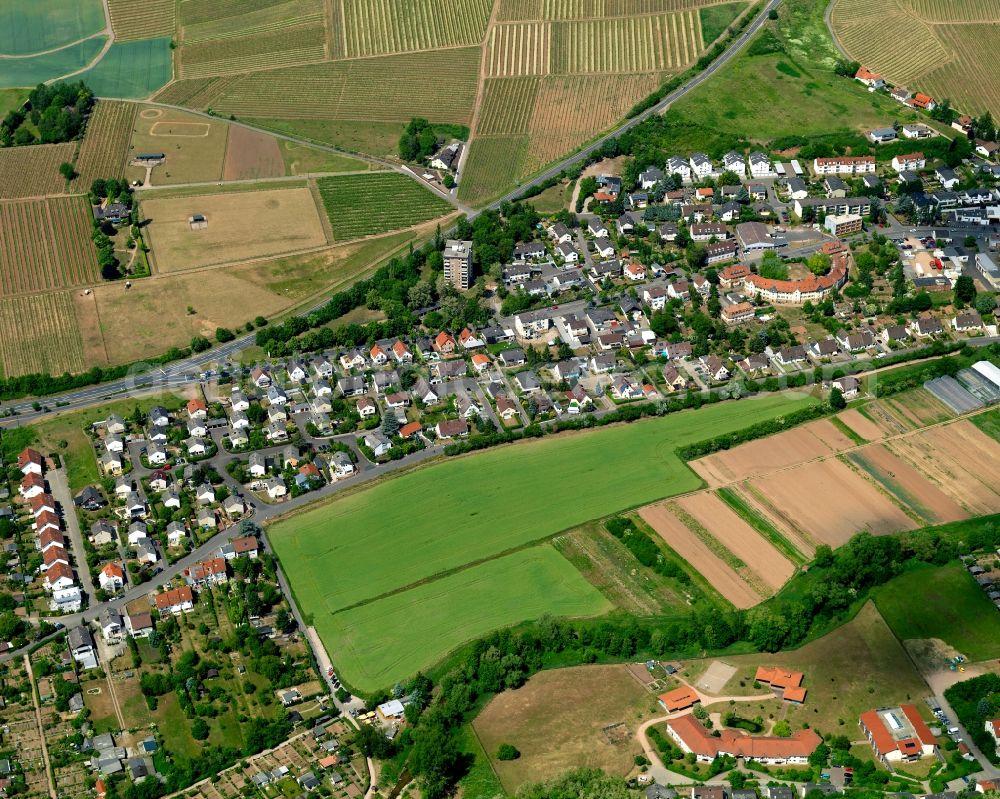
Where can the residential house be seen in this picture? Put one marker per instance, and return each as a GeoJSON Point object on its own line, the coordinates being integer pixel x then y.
{"type": "Point", "coordinates": [926, 326]}
{"type": "Point", "coordinates": [967, 322]}
{"type": "Point", "coordinates": [82, 648]}
{"type": "Point", "coordinates": [378, 443]}
{"type": "Point", "coordinates": [175, 601]}
{"type": "Point", "coordinates": [111, 577]}
{"type": "Point", "coordinates": [452, 428]}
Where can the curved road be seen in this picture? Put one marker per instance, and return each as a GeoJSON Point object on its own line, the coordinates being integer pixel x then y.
{"type": "Point", "coordinates": [185, 372]}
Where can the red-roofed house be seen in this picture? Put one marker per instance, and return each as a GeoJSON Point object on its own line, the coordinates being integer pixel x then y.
{"type": "Point", "coordinates": [197, 408]}
{"type": "Point", "coordinates": [58, 577]}
{"type": "Point", "coordinates": [30, 461]}
{"type": "Point", "coordinates": [871, 79]}
{"type": "Point", "coordinates": [898, 733]}
{"type": "Point", "coordinates": [210, 572]}
{"type": "Point", "coordinates": [691, 736]}
{"type": "Point", "coordinates": [923, 101]}
{"type": "Point", "coordinates": [111, 577]}
{"type": "Point", "coordinates": [993, 728]}
{"type": "Point", "coordinates": [246, 547]}
{"type": "Point", "coordinates": [679, 699]}
{"type": "Point", "coordinates": [47, 522]}
{"type": "Point", "coordinates": [401, 352]}
{"type": "Point", "coordinates": [378, 355]}
{"type": "Point", "coordinates": [32, 484]}
{"type": "Point", "coordinates": [778, 677]}
{"type": "Point", "coordinates": [42, 503]}
{"type": "Point", "coordinates": [410, 429]}
{"type": "Point", "coordinates": [444, 343]}
{"type": "Point", "coordinates": [177, 600]}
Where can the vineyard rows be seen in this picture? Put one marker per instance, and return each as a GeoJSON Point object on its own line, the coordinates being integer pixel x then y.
{"type": "Point", "coordinates": [439, 84]}
{"type": "Point", "coordinates": [520, 49]}
{"type": "Point", "coordinates": [289, 15]}
{"type": "Point", "coordinates": [33, 171]}
{"type": "Point", "coordinates": [911, 51]}
{"type": "Point", "coordinates": [38, 333]}
{"type": "Point", "coordinates": [629, 44]}
{"type": "Point", "coordinates": [280, 48]}
{"type": "Point", "coordinates": [848, 12]}
{"type": "Point", "coordinates": [507, 106]}
{"type": "Point", "coordinates": [955, 10]}
{"type": "Point", "coordinates": [45, 244]}
{"type": "Point", "coordinates": [195, 92]}
{"type": "Point", "coordinates": [376, 27]}
{"type": "Point", "coordinates": [150, 18]}
{"type": "Point", "coordinates": [193, 12]}
{"type": "Point", "coordinates": [511, 10]}
{"type": "Point", "coordinates": [364, 205]}
{"type": "Point", "coordinates": [491, 168]}
{"type": "Point", "coordinates": [970, 80]}
{"type": "Point", "coordinates": [105, 146]}
{"type": "Point", "coordinates": [335, 29]}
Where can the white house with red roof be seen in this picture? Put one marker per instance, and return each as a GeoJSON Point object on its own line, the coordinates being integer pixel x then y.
{"type": "Point", "coordinates": [898, 734]}
{"type": "Point", "coordinates": [871, 79]}
{"type": "Point", "coordinates": [111, 577]}
{"type": "Point", "coordinates": [30, 461]}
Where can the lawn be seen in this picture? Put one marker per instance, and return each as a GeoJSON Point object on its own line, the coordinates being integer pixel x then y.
{"type": "Point", "coordinates": [988, 422]}
{"type": "Point", "coordinates": [379, 643]}
{"type": "Point", "coordinates": [715, 19]}
{"type": "Point", "coordinates": [31, 26]}
{"type": "Point", "coordinates": [952, 608]}
{"type": "Point", "coordinates": [856, 667]}
{"type": "Point", "coordinates": [301, 159]}
{"type": "Point", "coordinates": [364, 205]}
{"type": "Point", "coordinates": [11, 99]}
{"type": "Point", "coordinates": [132, 70]}
{"type": "Point", "coordinates": [444, 516]}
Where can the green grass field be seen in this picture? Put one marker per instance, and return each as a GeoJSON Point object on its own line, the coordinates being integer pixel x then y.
{"type": "Point", "coordinates": [445, 516]}
{"type": "Point", "coordinates": [379, 643]}
{"type": "Point", "coordinates": [31, 26]}
{"type": "Point", "coordinates": [38, 69]}
{"type": "Point", "coordinates": [132, 70]}
{"type": "Point", "coordinates": [11, 99]}
{"type": "Point", "coordinates": [988, 422]}
{"type": "Point", "coordinates": [715, 19]}
{"type": "Point", "coordinates": [364, 205]}
{"type": "Point", "coordinates": [952, 607]}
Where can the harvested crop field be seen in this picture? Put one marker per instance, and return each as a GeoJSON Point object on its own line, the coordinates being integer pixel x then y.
{"type": "Point", "coordinates": [251, 155]}
{"type": "Point", "coordinates": [907, 485]}
{"type": "Point", "coordinates": [105, 146]}
{"type": "Point", "coordinates": [861, 425]}
{"type": "Point", "coordinates": [38, 333]}
{"type": "Point", "coordinates": [680, 538]}
{"type": "Point", "coordinates": [959, 458]}
{"type": "Point", "coordinates": [808, 442]}
{"type": "Point", "coordinates": [33, 171]}
{"type": "Point", "coordinates": [152, 316]}
{"type": "Point", "coordinates": [557, 721]}
{"type": "Point", "coordinates": [739, 538]}
{"type": "Point", "coordinates": [241, 225]}
{"type": "Point", "coordinates": [45, 244]}
{"type": "Point", "coordinates": [918, 408]}
{"type": "Point", "coordinates": [195, 147]}
{"type": "Point", "coordinates": [831, 502]}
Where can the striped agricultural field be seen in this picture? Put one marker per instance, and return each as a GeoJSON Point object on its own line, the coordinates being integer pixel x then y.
{"type": "Point", "coordinates": [627, 44]}
{"type": "Point", "coordinates": [571, 109]}
{"type": "Point", "coordinates": [105, 146]}
{"type": "Point", "coordinates": [33, 171]}
{"type": "Point", "coordinates": [520, 49]}
{"type": "Point", "coordinates": [39, 333]}
{"type": "Point", "coordinates": [303, 44]}
{"type": "Point", "coordinates": [378, 27]}
{"type": "Point", "coordinates": [45, 244]}
{"type": "Point", "coordinates": [194, 92]}
{"type": "Point", "coordinates": [908, 53]}
{"type": "Point", "coordinates": [491, 168]}
{"type": "Point", "coordinates": [511, 10]}
{"type": "Point", "coordinates": [193, 12]}
{"type": "Point", "coordinates": [507, 106]}
{"type": "Point", "coordinates": [970, 80]}
{"type": "Point", "coordinates": [954, 10]}
{"type": "Point", "coordinates": [293, 14]}
{"type": "Point", "coordinates": [439, 85]}
{"type": "Point", "coordinates": [145, 20]}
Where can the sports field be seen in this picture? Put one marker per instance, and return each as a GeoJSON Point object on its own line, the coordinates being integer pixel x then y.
{"type": "Point", "coordinates": [941, 47]}
{"type": "Point", "coordinates": [390, 639]}
{"type": "Point", "coordinates": [240, 226]}
{"type": "Point", "coordinates": [31, 26]}
{"type": "Point", "coordinates": [427, 522]}
{"type": "Point", "coordinates": [134, 69]}
{"type": "Point", "coordinates": [195, 146]}
{"type": "Point", "coordinates": [364, 205]}
{"type": "Point", "coordinates": [952, 607]}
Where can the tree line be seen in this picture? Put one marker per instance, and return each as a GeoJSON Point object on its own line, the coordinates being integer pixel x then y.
{"type": "Point", "coordinates": [57, 111]}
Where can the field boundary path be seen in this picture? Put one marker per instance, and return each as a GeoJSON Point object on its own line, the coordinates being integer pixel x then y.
{"type": "Point", "coordinates": [41, 729]}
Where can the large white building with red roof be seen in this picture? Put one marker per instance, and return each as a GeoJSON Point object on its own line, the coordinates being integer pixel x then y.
{"type": "Point", "coordinates": [692, 736]}
{"type": "Point", "coordinates": [898, 734]}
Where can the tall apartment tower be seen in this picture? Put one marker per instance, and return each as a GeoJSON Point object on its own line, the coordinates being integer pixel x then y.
{"type": "Point", "coordinates": [458, 263]}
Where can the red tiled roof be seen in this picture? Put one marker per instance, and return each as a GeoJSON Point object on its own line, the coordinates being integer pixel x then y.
{"type": "Point", "coordinates": [919, 725]}
{"type": "Point", "coordinates": [113, 570]}
{"type": "Point", "coordinates": [778, 677]}
{"type": "Point", "coordinates": [196, 405]}
{"type": "Point", "coordinates": [794, 694]}
{"type": "Point", "coordinates": [806, 284]}
{"type": "Point", "coordinates": [55, 554]}
{"type": "Point", "coordinates": [245, 544]}
{"type": "Point", "coordinates": [884, 741]}
{"type": "Point", "coordinates": [52, 537]}
{"type": "Point", "coordinates": [208, 568]}
{"type": "Point", "coordinates": [410, 429]}
{"type": "Point", "coordinates": [679, 698]}
{"type": "Point", "coordinates": [866, 74]}
{"type": "Point", "coordinates": [32, 480]}
{"type": "Point", "coordinates": [41, 501]}
{"type": "Point", "coordinates": [57, 570]}
{"type": "Point", "coordinates": [442, 339]}
{"type": "Point", "coordinates": [29, 455]}
{"type": "Point", "coordinates": [737, 743]}
{"type": "Point", "coordinates": [176, 596]}
{"type": "Point", "coordinates": [46, 518]}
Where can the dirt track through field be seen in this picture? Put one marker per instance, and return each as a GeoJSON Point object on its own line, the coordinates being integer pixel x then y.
{"type": "Point", "coordinates": [691, 548]}
{"type": "Point", "coordinates": [740, 538]}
